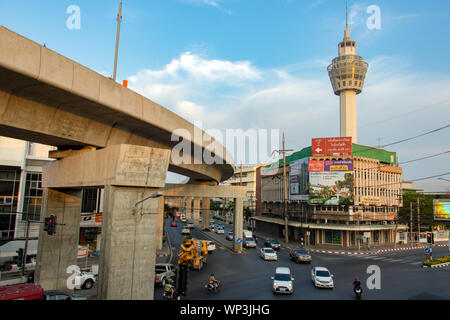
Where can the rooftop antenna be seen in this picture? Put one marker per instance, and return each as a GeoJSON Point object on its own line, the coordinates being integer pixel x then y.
{"type": "Point", "coordinates": [119, 19]}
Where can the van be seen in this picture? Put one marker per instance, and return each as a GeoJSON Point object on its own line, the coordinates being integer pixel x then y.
{"type": "Point", "coordinates": [283, 282]}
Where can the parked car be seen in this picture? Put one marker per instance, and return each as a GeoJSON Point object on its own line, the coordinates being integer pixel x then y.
{"type": "Point", "coordinates": [268, 254]}
{"type": "Point", "coordinates": [272, 243]}
{"type": "Point", "coordinates": [211, 246]}
{"type": "Point", "coordinates": [219, 230]}
{"type": "Point", "coordinates": [283, 282]}
{"type": "Point", "coordinates": [174, 224]}
{"type": "Point", "coordinates": [300, 255]}
{"type": "Point", "coordinates": [185, 230]}
{"type": "Point", "coordinates": [59, 295]}
{"type": "Point", "coordinates": [164, 271]}
{"type": "Point", "coordinates": [84, 280]}
{"type": "Point", "coordinates": [249, 242]}
{"type": "Point", "coordinates": [229, 236]}
{"type": "Point", "coordinates": [322, 278]}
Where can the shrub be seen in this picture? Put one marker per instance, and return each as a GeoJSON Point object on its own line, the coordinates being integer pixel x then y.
{"type": "Point", "coordinates": [443, 259]}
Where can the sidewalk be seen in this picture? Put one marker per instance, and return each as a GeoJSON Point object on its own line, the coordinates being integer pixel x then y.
{"type": "Point", "coordinates": [349, 251]}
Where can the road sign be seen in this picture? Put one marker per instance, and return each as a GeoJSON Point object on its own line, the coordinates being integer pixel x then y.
{"type": "Point", "coordinates": [428, 250]}
{"type": "Point", "coordinates": [340, 146]}
{"type": "Point", "coordinates": [239, 240]}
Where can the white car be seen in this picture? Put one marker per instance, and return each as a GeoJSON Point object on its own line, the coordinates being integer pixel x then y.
{"type": "Point", "coordinates": [211, 246]}
{"type": "Point", "coordinates": [186, 231]}
{"type": "Point", "coordinates": [84, 280]}
{"type": "Point", "coordinates": [268, 254]}
{"type": "Point", "coordinates": [219, 230]}
{"type": "Point", "coordinates": [322, 278]}
{"type": "Point", "coordinates": [190, 225]}
{"type": "Point", "coordinates": [283, 282]}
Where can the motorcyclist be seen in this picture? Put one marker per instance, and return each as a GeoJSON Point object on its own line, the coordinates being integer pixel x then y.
{"type": "Point", "coordinates": [357, 283]}
{"type": "Point", "coordinates": [212, 281]}
{"type": "Point", "coordinates": [169, 288]}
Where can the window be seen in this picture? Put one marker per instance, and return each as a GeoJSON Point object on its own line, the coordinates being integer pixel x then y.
{"type": "Point", "coordinates": [333, 236]}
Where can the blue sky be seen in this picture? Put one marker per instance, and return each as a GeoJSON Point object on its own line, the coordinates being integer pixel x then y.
{"type": "Point", "coordinates": [262, 64]}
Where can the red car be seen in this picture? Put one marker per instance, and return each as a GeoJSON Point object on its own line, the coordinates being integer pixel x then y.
{"type": "Point", "coordinates": [173, 224]}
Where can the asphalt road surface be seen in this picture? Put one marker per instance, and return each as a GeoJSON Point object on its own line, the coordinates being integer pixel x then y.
{"type": "Point", "coordinates": [248, 276]}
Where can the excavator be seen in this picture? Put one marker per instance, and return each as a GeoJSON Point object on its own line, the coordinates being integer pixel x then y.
{"type": "Point", "coordinates": [193, 253]}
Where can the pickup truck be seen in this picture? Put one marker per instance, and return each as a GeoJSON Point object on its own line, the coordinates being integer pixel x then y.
{"type": "Point", "coordinates": [164, 271]}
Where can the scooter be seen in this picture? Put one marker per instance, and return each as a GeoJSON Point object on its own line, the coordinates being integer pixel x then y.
{"type": "Point", "coordinates": [171, 295]}
{"type": "Point", "coordinates": [213, 287]}
{"type": "Point", "coordinates": [358, 292]}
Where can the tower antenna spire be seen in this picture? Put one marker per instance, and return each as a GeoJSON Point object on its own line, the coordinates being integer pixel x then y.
{"type": "Point", "coordinates": [346, 14]}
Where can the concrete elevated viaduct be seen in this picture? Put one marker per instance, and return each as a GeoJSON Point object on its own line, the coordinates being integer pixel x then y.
{"type": "Point", "coordinates": [106, 135]}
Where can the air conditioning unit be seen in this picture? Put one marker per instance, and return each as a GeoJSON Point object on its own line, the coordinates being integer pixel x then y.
{"type": "Point", "coordinates": [392, 222]}
{"type": "Point", "coordinates": [384, 222]}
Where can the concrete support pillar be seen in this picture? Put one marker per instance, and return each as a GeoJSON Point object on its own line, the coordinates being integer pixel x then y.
{"type": "Point", "coordinates": [189, 208]}
{"type": "Point", "coordinates": [58, 251]}
{"type": "Point", "coordinates": [128, 244]}
{"type": "Point", "coordinates": [160, 224]}
{"type": "Point", "coordinates": [205, 212]}
{"type": "Point", "coordinates": [238, 220]}
{"type": "Point", "coordinates": [196, 210]}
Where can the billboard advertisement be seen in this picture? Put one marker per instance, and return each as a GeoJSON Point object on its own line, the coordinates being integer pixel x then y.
{"type": "Point", "coordinates": [333, 185]}
{"type": "Point", "coordinates": [441, 209]}
{"type": "Point", "coordinates": [299, 177]}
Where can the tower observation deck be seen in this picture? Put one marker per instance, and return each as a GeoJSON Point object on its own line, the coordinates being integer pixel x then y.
{"type": "Point", "coordinates": [347, 73]}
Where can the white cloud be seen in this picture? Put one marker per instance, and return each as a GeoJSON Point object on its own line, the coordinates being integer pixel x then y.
{"type": "Point", "coordinates": [394, 105]}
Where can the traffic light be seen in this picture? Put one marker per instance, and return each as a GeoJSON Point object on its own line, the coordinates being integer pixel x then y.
{"type": "Point", "coordinates": [50, 225]}
{"type": "Point", "coordinates": [19, 257]}
{"type": "Point", "coordinates": [430, 237]}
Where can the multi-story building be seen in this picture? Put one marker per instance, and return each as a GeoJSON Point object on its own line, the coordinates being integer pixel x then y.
{"type": "Point", "coordinates": [370, 215]}
{"type": "Point", "coordinates": [21, 190]}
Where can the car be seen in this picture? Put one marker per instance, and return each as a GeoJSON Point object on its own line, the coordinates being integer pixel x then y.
{"type": "Point", "coordinates": [272, 243]}
{"type": "Point", "coordinates": [211, 246]}
{"type": "Point", "coordinates": [300, 255]}
{"type": "Point", "coordinates": [249, 242]}
{"type": "Point", "coordinates": [83, 280]}
{"type": "Point", "coordinates": [183, 220]}
{"type": "Point", "coordinates": [59, 295]}
{"type": "Point", "coordinates": [283, 282]}
{"type": "Point", "coordinates": [229, 236]}
{"type": "Point", "coordinates": [211, 227]}
{"type": "Point", "coordinates": [185, 230]}
{"type": "Point", "coordinates": [268, 254]}
{"type": "Point", "coordinates": [322, 278]}
{"type": "Point", "coordinates": [219, 230]}
{"type": "Point", "coordinates": [174, 224]}
{"type": "Point", "coordinates": [163, 272]}
{"type": "Point", "coordinates": [190, 224]}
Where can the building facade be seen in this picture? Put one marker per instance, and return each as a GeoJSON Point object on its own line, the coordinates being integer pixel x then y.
{"type": "Point", "coordinates": [368, 219]}
{"type": "Point", "coordinates": [21, 164]}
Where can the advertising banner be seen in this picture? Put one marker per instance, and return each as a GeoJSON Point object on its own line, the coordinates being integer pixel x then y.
{"type": "Point", "coordinates": [441, 209]}
{"type": "Point", "coordinates": [331, 188]}
{"type": "Point", "coordinates": [91, 219]}
{"type": "Point", "coordinates": [370, 200]}
{"type": "Point", "coordinates": [299, 177]}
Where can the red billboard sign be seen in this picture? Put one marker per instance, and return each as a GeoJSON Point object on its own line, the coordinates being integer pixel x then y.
{"type": "Point", "coordinates": [341, 146]}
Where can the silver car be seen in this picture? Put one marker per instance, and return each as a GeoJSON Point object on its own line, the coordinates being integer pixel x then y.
{"type": "Point", "coordinates": [268, 254]}
{"type": "Point", "coordinates": [283, 282]}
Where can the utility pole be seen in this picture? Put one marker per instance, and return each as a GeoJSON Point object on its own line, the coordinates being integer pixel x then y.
{"type": "Point", "coordinates": [24, 258]}
{"type": "Point", "coordinates": [418, 220]}
{"type": "Point", "coordinates": [119, 19]}
{"type": "Point", "coordinates": [410, 222]}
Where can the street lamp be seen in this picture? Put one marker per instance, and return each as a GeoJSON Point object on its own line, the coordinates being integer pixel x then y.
{"type": "Point", "coordinates": [152, 196]}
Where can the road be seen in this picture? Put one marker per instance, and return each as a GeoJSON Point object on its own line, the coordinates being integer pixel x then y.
{"type": "Point", "coordinates": [248, 277]}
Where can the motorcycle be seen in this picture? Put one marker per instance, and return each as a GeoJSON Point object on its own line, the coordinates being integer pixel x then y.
{"type": "Point", "coordinates": [171, 294]}
{"type": "Point", "coordinates": [213, 287]}
{"type": "Point", "coordinates": [358, 292]}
